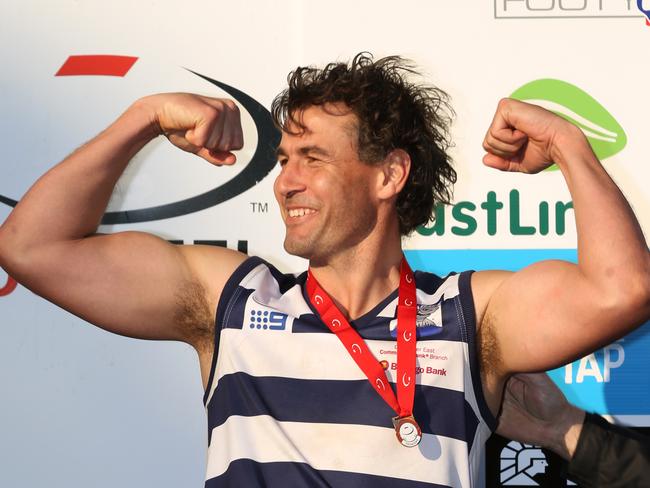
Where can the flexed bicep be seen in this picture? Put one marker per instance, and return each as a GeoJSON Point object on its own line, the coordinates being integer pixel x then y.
{"type": "Point", "coordinates": [549, 314]}
{"type": "Point", "coordinates": [135, 284]}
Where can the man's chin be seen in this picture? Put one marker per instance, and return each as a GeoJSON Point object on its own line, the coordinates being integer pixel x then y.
{"type": "Point", "coordinates": [303, 248]}
{"type": "Point", "coordinates": [300, 249]}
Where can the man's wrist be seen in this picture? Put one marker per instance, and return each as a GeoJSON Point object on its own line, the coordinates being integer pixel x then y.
{"type": "Point", "coordinates": [143, 113]}
{"type": "Point", "coordinates": [570, 144]}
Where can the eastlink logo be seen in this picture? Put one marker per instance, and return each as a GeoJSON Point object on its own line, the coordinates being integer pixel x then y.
{"type": "Point", "coordinates": [551, 9]}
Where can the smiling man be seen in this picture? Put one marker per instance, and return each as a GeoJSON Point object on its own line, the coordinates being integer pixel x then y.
{"type": "Point", "coordinates": [358, 372]}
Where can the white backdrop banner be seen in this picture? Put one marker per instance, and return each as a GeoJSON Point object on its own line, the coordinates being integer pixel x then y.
{"type": "Point", "coordinates": [81, 407]}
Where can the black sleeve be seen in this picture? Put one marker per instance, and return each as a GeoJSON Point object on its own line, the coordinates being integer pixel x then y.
{"type": "Point", "coordinates": [608, 455]}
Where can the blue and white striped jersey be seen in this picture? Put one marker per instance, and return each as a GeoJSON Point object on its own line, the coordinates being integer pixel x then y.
{"type": "Point", "coordinates": [288, 407]}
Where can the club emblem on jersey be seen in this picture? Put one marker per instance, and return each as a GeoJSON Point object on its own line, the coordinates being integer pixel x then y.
{"type": "Point", "coordinates": [429, 316]}
{"type": "Point", "coordinates": [428, 322]}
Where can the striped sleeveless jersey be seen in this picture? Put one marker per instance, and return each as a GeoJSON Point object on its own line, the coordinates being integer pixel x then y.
{"type": "Point", "coordinates": [288, 407]}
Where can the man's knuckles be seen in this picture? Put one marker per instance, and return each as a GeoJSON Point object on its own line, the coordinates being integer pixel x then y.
{"type": "Point", "coordinates": [206, 126]}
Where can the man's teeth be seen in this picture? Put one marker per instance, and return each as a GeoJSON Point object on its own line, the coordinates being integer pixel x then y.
{"type": "Point", "coordinates": [299, 212]}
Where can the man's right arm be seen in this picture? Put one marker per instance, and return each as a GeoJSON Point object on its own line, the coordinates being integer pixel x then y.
{"type": "Point", "coordinates": [130, 283]}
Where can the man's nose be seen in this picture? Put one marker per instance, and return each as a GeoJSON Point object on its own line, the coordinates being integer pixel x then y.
{"type": "Point", "coordinates": [291, 179]}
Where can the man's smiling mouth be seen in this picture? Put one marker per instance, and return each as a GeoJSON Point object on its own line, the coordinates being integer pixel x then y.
{"type": "Point", "coordinates": [300, 212]}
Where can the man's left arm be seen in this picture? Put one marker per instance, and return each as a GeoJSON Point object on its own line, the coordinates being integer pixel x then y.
{"type": "Point", "coordinates": [553, 312]}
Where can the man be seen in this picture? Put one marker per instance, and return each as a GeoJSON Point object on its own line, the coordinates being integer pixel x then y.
{"type": "Point", "coordinates": [535, 411]}
{"type": "Point", "coordinates": [362, 161]}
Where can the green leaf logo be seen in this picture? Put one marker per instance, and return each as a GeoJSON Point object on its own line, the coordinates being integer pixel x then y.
{"type": "Point", "coordinates": [604, 133]}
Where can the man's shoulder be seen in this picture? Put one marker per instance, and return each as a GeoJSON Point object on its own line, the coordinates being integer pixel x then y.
{"type": "Point", "coordinates": [255, 272]}
{"type": "Point", "coordinates": [483, 286]}
{"type": "Point", "coordinates": [451, 284]}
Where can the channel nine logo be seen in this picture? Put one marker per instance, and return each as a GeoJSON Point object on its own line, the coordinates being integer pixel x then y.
{"type": "Point", "coordinates": [575, 9]}
{"type": "Point", "coordinates": [605, 135]}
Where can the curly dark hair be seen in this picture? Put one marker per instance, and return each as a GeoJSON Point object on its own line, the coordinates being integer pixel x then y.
{"type": "Point", "coordinates": [393, 113]}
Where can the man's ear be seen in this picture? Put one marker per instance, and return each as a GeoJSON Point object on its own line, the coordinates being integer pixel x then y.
{"type": "Point", "coordinates": [395, 171]}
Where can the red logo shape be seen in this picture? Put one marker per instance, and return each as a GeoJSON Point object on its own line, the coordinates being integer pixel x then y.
{"type": "Point", "coordinates": [96, 65]}
{"type": "Point", "coordinates": [9, 286]}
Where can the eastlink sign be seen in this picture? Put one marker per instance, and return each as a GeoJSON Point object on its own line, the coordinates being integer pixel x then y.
{"type": "Point", "coordinates": [550, 9]}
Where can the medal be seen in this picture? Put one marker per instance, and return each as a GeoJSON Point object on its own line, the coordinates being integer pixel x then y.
{"type": "Point", "coordinates": [407, 431]}
{"type": "Point", "coordinates": [406, 428]}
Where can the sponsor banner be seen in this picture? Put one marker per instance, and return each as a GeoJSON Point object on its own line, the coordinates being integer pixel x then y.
{"type": "Point", "coordinates": [613, 380]}
{"type": "Point", "coordinates": [135, 201]}
{"type": "Point", "coordinates": [603, 132]}
{"type": "Point", "coordinates": [514, 464]}
{"type": "Point", "coordinates": [70, 70]}
{"type": "Point", "coordinates": [572, 9]}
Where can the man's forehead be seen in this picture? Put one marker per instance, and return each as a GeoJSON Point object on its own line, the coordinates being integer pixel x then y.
{"type": "Point", "coordinates": [317, 118]}
{"type": "Point", "coordinates": [320, 122]}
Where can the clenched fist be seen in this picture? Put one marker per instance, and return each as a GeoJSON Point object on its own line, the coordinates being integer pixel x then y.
{"type": "Point", "coordinates": [526, 138]}
{"type": "Point", "coordinates": [207, 127]}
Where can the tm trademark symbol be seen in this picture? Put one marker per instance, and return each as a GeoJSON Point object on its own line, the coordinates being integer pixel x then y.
{"type": "Point", "coordinates": [259, 207]}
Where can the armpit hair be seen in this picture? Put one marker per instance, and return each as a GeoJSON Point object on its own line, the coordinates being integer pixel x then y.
{"type": "Point", "coordinates": [193, 316]}
{"type": "Point", "coordinates": [488, 346]}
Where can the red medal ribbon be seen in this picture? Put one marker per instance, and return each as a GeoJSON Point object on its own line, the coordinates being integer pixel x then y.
{"type": "Point", "coordinates": [356, 347]}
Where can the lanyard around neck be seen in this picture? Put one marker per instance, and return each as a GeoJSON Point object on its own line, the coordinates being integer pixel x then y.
{"type": "Point", "coordinates": [357, 348]}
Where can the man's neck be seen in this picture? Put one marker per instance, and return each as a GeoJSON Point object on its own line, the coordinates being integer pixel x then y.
{"type": "Point", "coordinates": [359, 279]}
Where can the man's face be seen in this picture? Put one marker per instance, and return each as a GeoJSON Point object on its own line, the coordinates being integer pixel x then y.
{"type": "Point", "coordinates": [326, 194]}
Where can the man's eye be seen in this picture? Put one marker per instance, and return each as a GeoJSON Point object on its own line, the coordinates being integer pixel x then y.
{"type": "Point", "coordinates": [282, 162]}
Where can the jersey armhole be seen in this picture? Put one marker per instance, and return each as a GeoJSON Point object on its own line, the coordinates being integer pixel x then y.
{"type": "Point", "coordinates": [226, 295]}
{"type": "Point", "coordinates": [469, 319]}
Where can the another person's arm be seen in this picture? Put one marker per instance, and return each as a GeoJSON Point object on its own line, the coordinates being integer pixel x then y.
{"type": "Point", "coordinates": [600, 454]}
{"type": "Point", "coordinates": [130, 283]}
